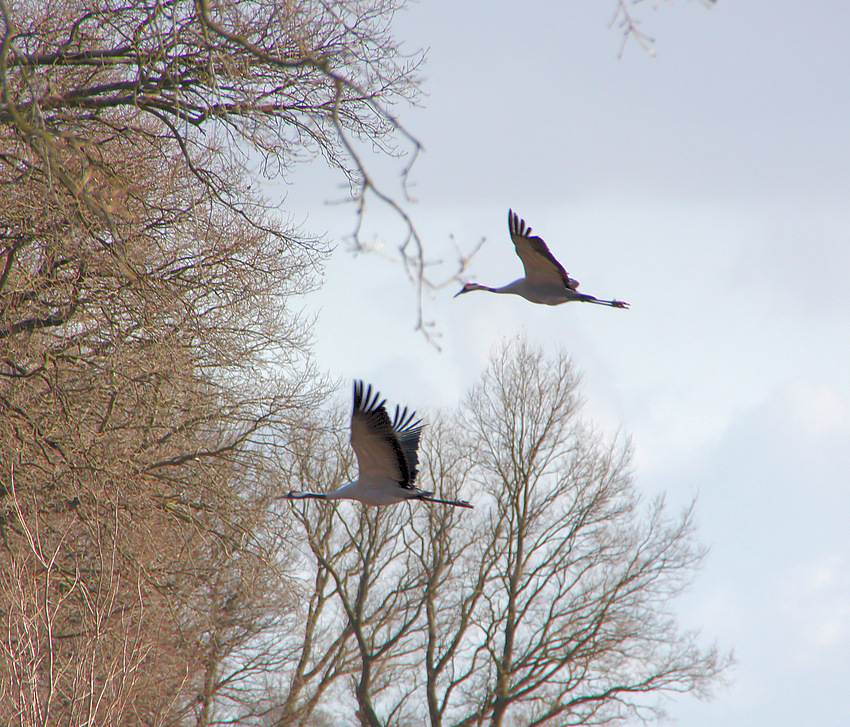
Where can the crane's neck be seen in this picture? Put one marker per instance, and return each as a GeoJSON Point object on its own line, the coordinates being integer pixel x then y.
{"type": "Point", "coordinates": [343, 493]}
{"type": "Point", "coordinates": [515, 288]}
{"type": "Point", "coordinates": [477, 286]}
{"type": "Point", "coordinates": [346, 492]}
{"type": "Point", "coordinates": [296, 495]}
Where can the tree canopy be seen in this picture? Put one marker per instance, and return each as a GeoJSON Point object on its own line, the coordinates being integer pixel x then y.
{"type": "Point", "coordinates": [149, 357]}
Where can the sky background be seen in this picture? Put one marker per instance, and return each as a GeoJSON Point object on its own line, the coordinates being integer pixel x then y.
{"type": "Point", "coordinates": [709, 186]}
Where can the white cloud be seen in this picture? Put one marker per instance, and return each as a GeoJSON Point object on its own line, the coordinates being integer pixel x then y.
{"type": "Point", "coordinates": [818, 408]}
{"type": "Point", "coordinates": [816, 600]}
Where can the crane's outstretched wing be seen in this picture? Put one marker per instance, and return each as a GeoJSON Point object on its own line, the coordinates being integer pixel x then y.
{"type": "Point", "coordinates": [541, 267]}
{"type": "Point", "coordinates": [384, 448]}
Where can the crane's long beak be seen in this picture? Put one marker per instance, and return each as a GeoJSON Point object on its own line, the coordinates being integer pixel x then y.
{"type": "Point", "coordinates": [462, 290]}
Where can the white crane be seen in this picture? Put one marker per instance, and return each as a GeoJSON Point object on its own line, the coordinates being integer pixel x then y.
{"type": "Point", "coordinates": [545, 279]}
{"type": "Point", "coordinates": [386, 456]}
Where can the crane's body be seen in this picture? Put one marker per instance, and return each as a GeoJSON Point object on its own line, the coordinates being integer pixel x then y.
{"type": "Point", "coordinates": [542, 294]}
{"type": "Point", "coordinates": [387, 456]}
{"type": "Point", "coordinates": [545, 282]}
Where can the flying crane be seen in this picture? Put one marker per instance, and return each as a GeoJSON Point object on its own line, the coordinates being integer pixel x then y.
{"type": "Point", "coordinates": [545, 280]}
{"type": "Point", "coordinates": [386, 456]}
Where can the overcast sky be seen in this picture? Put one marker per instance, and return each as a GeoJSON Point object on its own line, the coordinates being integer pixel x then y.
{"type": "Point", "coordinates": [709, 186]}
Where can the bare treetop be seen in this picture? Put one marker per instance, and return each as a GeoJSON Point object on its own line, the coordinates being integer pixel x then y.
{"type": "Point", "coordinates": [550, 603]}
{"type": "Point", "coordinates": [229, 89]}
{"type": "Point", "coordinates": [258, 68]}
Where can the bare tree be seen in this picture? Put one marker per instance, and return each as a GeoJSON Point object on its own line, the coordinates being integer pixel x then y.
{"type": "Point", "coordinates": [232, 89]}
{"type": "Point", "coordinates": [148, 359]}
{"type": "Point", "coordinates": [550, 603]}
{"type": "Point", "coordinates": [630, 25]}
{"type": "Point", "coordinates": [365, 580]}
{"type": "Point", "coordinates": [318, 636]}
{"type": "Point", "coordinates": [565, 614]}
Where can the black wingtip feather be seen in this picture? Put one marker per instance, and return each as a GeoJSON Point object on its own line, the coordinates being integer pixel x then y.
{"type": "Point", "coordinates": [517, 225]}
{"type": "Point", "coordinates": [403, 422]}
{"type": "Point", "coordinates": [366, 403]}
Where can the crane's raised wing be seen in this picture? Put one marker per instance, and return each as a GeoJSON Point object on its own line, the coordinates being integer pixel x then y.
{"type": "Point", "coordinates": [541, 267]}
{"type": "Point", "coordinates": [384, 448]}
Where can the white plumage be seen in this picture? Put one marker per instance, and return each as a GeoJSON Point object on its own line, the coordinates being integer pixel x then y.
{"type": "Point", "coordinates": [545, 280]}
{"type": "Point", "coordinates": [386, 456]}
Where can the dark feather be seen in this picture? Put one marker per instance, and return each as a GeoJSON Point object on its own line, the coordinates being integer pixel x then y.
{"type": "Point", "coordinates": [402, 434]}
{"type": "Point", "coordinates": [518, 228]}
